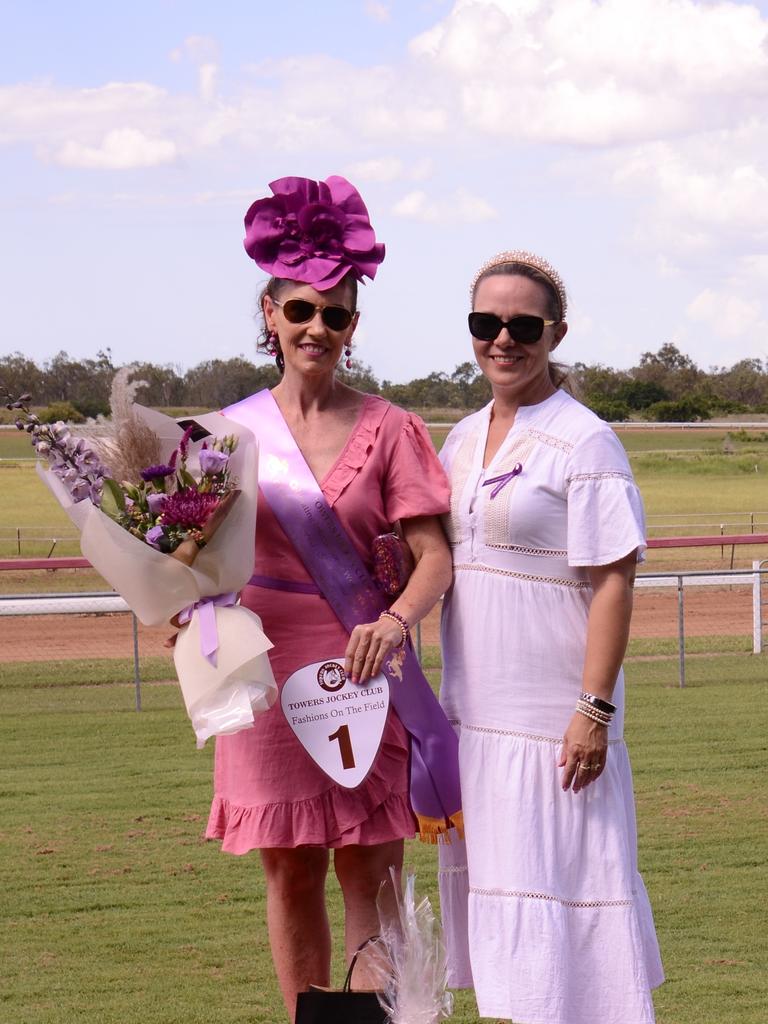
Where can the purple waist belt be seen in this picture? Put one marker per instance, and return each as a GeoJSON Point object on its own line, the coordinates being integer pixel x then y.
{"type": "Point", "coordinates": [290, 586]}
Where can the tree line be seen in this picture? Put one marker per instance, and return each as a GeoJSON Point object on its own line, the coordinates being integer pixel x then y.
{"type": "Point", "coordinates": [664, 386]}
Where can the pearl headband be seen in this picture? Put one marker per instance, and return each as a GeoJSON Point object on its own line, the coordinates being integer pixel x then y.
{"type": "Point", "coordinates": [529, 259]}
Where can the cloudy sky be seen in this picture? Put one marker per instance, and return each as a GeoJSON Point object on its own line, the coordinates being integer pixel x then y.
{"type": "Point", "coordinates": [625, 140]}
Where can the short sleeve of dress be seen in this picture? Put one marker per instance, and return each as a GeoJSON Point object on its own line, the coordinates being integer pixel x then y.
{"type": "Point", "coordinates": [416, 484]}
{"type": "Point", "coordinates": [448, 449]}
{"type": "Point", "coordinates": [606, 520]}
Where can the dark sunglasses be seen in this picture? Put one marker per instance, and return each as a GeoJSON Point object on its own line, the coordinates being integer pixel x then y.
{"type": "Point", "coordinates": [525, 329]}
{"type": "Point", "coordinates": [300, 311]}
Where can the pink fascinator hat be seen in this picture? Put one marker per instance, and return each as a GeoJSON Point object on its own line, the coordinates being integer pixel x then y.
{"type": "Point", "coordinates": [313, 231]}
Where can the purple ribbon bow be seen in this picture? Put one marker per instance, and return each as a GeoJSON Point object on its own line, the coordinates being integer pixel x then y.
{"type": "Point", "coordinates": [206, 609]}
{"type": "Point", "coordinates": [503, 480]}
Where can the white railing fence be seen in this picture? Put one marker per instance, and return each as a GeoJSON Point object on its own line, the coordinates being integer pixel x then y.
{"type": "Point", "coordinates": [106, 602]}
{"type": "Point", "coordinates": [707, 523]}
{"type": "Point", "coordinates": [753, 577]}
{"type": "Point", "coordinates": [95, 603]}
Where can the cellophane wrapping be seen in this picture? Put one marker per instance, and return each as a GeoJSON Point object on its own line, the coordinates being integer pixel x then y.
{"type": "Point", "coordinates": [411, 969]}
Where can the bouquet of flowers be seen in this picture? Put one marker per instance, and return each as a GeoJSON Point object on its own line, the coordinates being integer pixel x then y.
{"type": "Point", "coordinates": [171, 526]}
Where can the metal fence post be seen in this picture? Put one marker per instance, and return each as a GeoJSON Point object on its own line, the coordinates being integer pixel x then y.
{"type": "Point", "coordinates": [757, 608]}
{"type": "Point", "coordinates": [681, 628]}
{"type": "Point", "coordinates": [136, 672]}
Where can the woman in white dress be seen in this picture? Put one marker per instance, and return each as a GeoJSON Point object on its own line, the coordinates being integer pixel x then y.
{"type": "Point", "coordinates": [545, 913]}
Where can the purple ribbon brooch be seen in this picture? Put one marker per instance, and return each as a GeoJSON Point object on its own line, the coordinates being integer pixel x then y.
{"type": "Point", "coordinates": [503, 480]}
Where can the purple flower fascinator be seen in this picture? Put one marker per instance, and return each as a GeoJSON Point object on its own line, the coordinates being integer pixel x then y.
{"type": "Point", "coordinates": [313, 231]}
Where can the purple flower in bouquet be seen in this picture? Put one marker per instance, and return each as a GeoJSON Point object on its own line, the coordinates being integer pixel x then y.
{"type": "Point", "coordinates": [184, 442]}
{"type": "Point", "coordinates": [156, 502]}
{"type": "Point", "coordinates": [76, 465]}
{"type": "Point", "coordinates": [213, 462]}
{"type": "Point", "coordinates": [153, 535]}
{"type": "Point", "coordinates": [152, 473]}
{"type": "Point", "coordinates": [165, 508]}
{"type": "Point", "coordinates": [188, 508]}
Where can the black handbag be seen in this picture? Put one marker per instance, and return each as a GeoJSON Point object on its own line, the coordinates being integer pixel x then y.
{"type": "Point", "coordinates": [321, 1006]}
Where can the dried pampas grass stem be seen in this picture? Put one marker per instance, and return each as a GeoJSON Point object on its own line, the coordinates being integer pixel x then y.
{"type": "Point", "coordinates": [128, 445]}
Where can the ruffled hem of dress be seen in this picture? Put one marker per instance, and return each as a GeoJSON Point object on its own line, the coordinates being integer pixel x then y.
{"type": "Point", "coordinates": [357, 449]}
{"type": "Point", "coordinates": [554, 958]}
{"type": "Point", "coordinates": [326, 820]}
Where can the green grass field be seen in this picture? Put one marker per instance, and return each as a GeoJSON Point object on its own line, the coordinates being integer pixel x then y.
{"type": "Point", "coordinates": [701, 481]}
{"type": "Point", "coordinates": [116, 911]}
{"type": "Point", "coordinates": [677, 471]}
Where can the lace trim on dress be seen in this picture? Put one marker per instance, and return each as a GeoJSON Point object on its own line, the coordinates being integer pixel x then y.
{"type": "Point", "coordinates": [461, 466]}
{"type": "Point", "coordinates": [518, 894]}
{"type": "Point", "coordinates": [607, 475]}
{"type": "Point", "coordinates": [513, 732]}
{"type": "Point", "coordinates": [357, 449]}
{"type": "Point", "coordinates": [497, 510]}
{"type": "Point", "coordinates": [456, 870]}
{"type": "Point", "coordinates": [554, 580]}
{"type": "Point", "coordinates": [544, 552]}
{"type": "Point", "coordinates": [551, 440]}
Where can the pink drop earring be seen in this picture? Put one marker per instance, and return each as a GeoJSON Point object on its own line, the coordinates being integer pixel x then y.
{"type": "Point", "coordinates": [348, 356]}
{"type": "Point", "coordinates": [271, 343]}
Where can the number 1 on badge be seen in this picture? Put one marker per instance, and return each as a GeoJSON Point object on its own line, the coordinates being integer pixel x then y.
{"type": "Point", "coordinates": [345, 746]}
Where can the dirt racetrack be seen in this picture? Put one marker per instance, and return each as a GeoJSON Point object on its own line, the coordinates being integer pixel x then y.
{"type": "Point", "coordinates": [709, 611]}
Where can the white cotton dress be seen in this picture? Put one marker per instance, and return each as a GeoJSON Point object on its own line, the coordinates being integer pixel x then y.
{"type": "Point", "coordinates": [544, 911]}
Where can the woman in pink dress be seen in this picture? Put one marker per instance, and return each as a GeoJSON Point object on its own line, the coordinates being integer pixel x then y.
{"type": "Point", "coordinates": [376, 467]}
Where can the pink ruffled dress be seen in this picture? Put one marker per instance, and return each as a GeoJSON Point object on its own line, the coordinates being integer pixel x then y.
{"type": "Point", "coordinates": [267, 790]}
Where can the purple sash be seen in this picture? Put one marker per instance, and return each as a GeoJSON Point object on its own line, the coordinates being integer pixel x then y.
{"type": "Point", "coordinates": [313, 528]}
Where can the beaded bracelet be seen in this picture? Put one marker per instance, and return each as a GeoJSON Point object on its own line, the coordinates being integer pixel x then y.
{"type": "Point", "coordinates": [586, 709]}
{"type": "Point", "coordinates": [599, 703]}
{"type": "Point", "coordinates": [402, 623]}
{"type": "Point", "coordinates": [592, 717]}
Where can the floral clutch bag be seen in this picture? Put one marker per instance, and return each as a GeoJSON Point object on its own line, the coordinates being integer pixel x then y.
{"type": "Point", "coordinates": [392, 562]}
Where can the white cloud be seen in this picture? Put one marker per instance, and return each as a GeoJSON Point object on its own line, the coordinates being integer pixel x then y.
{"type": "Point", "coordinates": [460, 208]}
{"type": "Point", "coordinates": [386, 169]}
{"type": "Point", "coordinates": [666, 267]}
{"type": "Point", "coordinates": [382, 169]}
{"type": "Point", "coordinates": [726, 313]}
{"type": "Point", "coordinates": [577, 72]}
{"type": "Point", "coordinates": [41, 112]}
{"type": "Point", "coordinates": [378, 11]}
{"type": "Point", "coordinates": [237, 196]}
{"type": "Point", "coordinates": [204, 52]}
{"type": "Point", "coordinates": [207, 74]}
{"type": "Point", "coordinates": [755, 268]}
{"type": "Point", "coordinates": [714, 189]}
{"type": "Point", "coordinates": [198, 49]}
{"type": "Point", "coordinates": [698, 194]}
{"type": "Point", "coordinates": [672, 92]}
{"type": "Point", "coordinates": [120, 149]}
{"type": "Point", "coordinates": [598, 73]}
